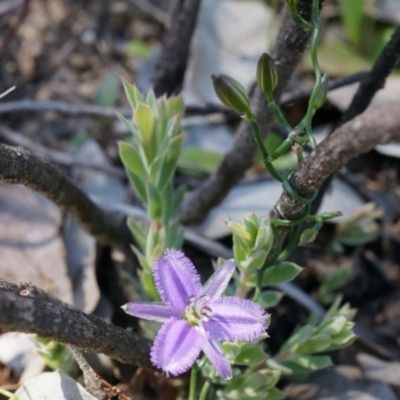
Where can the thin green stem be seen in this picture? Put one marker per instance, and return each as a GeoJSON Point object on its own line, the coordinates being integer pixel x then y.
{"type": "Point", "coordinates": [317, 71]}
{"type": "Point", "coordinates": [263, 151]}
{"type": "Point", "coordinates": [193, 382]}
{"type": "Point", "coordinates": [278, 113]}
{"type": "Point", "coordinates": [206, 387]}
{"type": "Point", "coordinates": [6, 393]}
{"type": "Point", "coordinates": [293, 239]}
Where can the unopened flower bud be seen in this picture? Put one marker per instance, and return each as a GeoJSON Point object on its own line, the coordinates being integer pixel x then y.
{"type": "Point", "coordinates": [308, 236]}
{"type": "Point", "coordinates": [267, 75]}
{"type": "Point", "coordinates": [232, 94]}
{"type": "Point", "coordinates": [322, 93]}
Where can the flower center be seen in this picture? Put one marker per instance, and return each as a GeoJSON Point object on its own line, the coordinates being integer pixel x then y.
{"type": "Point", "coordinates": [197, 311]}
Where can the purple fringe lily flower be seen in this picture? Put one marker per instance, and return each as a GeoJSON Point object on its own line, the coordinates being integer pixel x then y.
{"type": "Point", "coordinates": [196, 317]}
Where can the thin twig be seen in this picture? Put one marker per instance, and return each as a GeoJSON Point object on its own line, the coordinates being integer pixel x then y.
{"type": "Point", "coordinates": [56, 156]}
{"type": "Point", "coordinates": [28, 309]}
{"type": "Point", "coordinates": [376, 78]}
{"type": "Point", "coordinates": [290, 46]}
{"type": "Point", "coordinates": [92, 380]}
{"type": "Point", "coordinates": [171, 66]}
{"type": "Point", "coordinates": [62, 108]}
{"type": "Point", "coordinates": [303, 94]}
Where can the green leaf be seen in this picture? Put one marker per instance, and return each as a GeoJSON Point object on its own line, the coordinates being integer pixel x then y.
{"type": "Point", "coordinates": [238, 252]}
{"type": "Point", "coordinates": [199, 161]}
{"type": "Point", "coordinates": [169, 161]}
{"type": "Point", "coordinates": [133, 94]}
{"type": "Point", "coordinates": [139, 186]}
{"type": "Point", "coordinates": [177, 199]}
{"type": "Point", "coordinates": [136, 135]}
{"type": "Point", "coordinates": [264, 238]}
{"type": "Point", "coordinates": [275, 394]}
{"type": "Point", "coordinates": [256, 261]}
{"type": "Point", "coordinates": [153, 202]}
{"type": "Point", "coordinates": [280, 273]}
{"type": "Point", "coordinates": [132, 160]}
{"type": "Point", "coordinates": [301, 336]}
{"type": "Point", "coordinates": [313, 363]}
{"type": "Point", "coordinates": [250, 354]}
{"type": "Point", "coordinates": [151, 101]}
{"type": "Point", "coordinates": [250, 226]}
{"type": "Point", "coordinates": [239, 230]}
{"type": "Point", "coordinates": [231, 349]}
{"type": "Point", "coordinates": [332, 326]}
{"type": "Point", "coordinates": [270, 298]}
{"type": "Point", "coordinates": [315, 345]}
{"type": "Point", "coordinates": [145, 121]}
{"type": "Point", "coordinates": [139, 231]}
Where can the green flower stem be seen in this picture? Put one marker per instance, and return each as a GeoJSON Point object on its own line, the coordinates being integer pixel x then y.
{"type": "Point", "coordinates": [293, 240]}
{"type": "Point", "coordinates": [278, 113]}
{"type": "Point", "coordinates": [283, 148]}
{"type": "Point", "coordinates": [193, 382]}
{"type": "Point", "coordinates": [263, 151]}
{"type": "Point", "coordinates": [317, 71]}
{"type": "Point", "coordinates": [206, 386]}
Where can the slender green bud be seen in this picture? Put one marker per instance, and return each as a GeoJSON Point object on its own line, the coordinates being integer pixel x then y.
{"type": "Point", "coordinates": [322, 93]}
{"type": "Point", "coordinates": [232, 94]}
{"type": "Point", "coordinates": [308, 236]}
{"type": "Point", "coordinates": [267, 75]}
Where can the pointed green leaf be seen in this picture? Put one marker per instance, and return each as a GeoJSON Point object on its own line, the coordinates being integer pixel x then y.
{"type": "Point", "coordinates": [256, 261]}
{"type": "Point", "coordinates": [280, 273]}
{"type": "Point", "coordinates": [270, 298]}
{"type": "Point", "coordinates": [132, 160]}
{"type": "Point", "coordinates": [139, 186]}
{"type": "Point", "coordinates": [153, 202]}
{"type": "Point", "coordinates": [315, 345]}
{"type": "Point", "coordinates": [133, 94]}
{"type": "Point", "coordinates": [250, 354]}
{"type": "Point", "coordinates": [313, 363]}
{"type": "Point", "coordinates": [170, 160]}
{"type": "Point", "coordinates": [264, 238]}
{"type": "Point", "coordinates": [139, 231]}
{"type": "Point", "coordinates": [145, 121]}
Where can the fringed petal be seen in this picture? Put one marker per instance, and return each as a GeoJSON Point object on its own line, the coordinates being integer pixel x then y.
{"type": "Point", "coordinates": [218, 282]}
{"type": "Point", "coordinates": [215, 354]}
{"type": "Point", "coordinates": [153, 311]}
{"type": "Point", "coordinates": [233, 318]}
{"type": "Point", "coordinates": [176, 279]}
{"type": "Point", "coordinates": [176, 347]}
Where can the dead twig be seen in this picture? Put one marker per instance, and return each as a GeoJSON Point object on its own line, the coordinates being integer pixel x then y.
{"type": "Point", "coordinates": [171, 66]}
{"type": "Point", "coordinates": [376, 78]}
{"type": "Point", "coordinates": [56, 156]}
{"type": "Point", "coordinates": [28, 309]}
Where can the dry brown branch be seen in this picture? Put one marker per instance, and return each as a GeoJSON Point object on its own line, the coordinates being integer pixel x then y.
{"type": "Point", "coordinates": [379, 124]}
{"type": "Point", "coordinates": [171, 66]}
{"type": "Point", "coordinates": [28, 309]}
{"type": "Point", "coordinates": [290, 46]}
{"type": "Point", "coordinates": [59, 157]}
{"type": "Point", "coordinates": [19, 166]}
